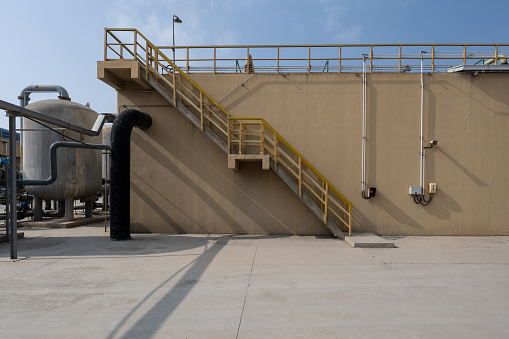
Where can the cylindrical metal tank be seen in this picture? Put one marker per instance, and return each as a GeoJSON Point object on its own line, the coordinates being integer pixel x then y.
{"type": "Point", "coordinates": [79, 170]}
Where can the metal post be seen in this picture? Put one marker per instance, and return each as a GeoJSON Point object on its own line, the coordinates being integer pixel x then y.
{"type": "Point", "coordinates": [89, 209]}
{"type": "Point", "coordinates": [37, 208]}
{"type": "Point", "coordinates": [69, 208]}
{"type": "Point", "coordinates": [173, 41]}
{"type": "Point", "coordinates": [7, 202]}
{"type": "Point", "coordinates": [105, 199]}
{"type": "Point", "coordinates": [12, 188]}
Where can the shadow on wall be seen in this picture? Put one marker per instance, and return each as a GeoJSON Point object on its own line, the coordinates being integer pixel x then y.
{"type": "Point", "coordinates": [254, 91]}
{"type": "Point", "coordinates": [469, 174]}
{"type": "Point", "coordinates": [443, 206]}
{"type": "Point", "coordinates": [250, 201]}
{"type": "Point", "coordinates": [396, 213]}
{"type": "Point", "coordinates": [153, 204]}
{"type": "Point", "coordinates": [498, 92]}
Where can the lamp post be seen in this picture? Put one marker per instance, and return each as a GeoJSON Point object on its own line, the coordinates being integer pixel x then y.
{"type": "Point", "coordinates": [175, 20]}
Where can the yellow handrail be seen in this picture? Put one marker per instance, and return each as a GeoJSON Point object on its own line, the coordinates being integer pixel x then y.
{"type": "Point", "coordinates": [278, 157]}
{"type": "Point", "coordinates": [439, 55]}
{"type": "Point", "coordinates": [152, 62]}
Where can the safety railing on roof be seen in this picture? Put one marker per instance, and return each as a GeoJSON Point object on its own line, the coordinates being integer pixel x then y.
{"type": "Point", "coordinates": [240, 134]}
{"type": "Point", "coordinates": [256, 136]}
{"type": "Point", "coordinates": [332, 58]}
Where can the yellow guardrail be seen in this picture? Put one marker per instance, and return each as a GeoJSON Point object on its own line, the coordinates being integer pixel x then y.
{"type": "Point", "coordinates": [333, 57]}
{"type": "Point", "coordinates": [242, 135]}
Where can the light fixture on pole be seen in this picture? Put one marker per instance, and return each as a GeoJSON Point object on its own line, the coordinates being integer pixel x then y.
{"type": "Point", "coordinates": [175, 20]}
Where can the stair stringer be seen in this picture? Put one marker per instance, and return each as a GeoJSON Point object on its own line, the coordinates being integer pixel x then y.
{"type": "Point", "coordinates": [166, 94]}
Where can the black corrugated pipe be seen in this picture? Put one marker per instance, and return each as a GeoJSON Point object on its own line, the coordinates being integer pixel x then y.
{"type": "Point", "coordinates": [120, 167]}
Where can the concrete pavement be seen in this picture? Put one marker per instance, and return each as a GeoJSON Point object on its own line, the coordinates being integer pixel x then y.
{"type": "Point", "coordinates": [76, 283]}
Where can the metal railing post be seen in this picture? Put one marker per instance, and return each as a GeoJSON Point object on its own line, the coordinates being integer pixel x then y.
{"type": "Point", "coordinates": [187, 61]}
{"type": "Point", "coordinates": [371, 59]}
{"type": "Point", "coordinates": [135, 48]}
{"type": "Point", "coordinates": [240, 137]}
{"type": "Point", "coordinates": [201, 110]}
{"type": "Point", "coordinates": [309, 59]}
{"type": "Point", "coordinates": [349, 220]}
{"type": "Point", "coordinates": [277, 60]}
{"type": "Point", "coordinates": [433, 59]}
{"type": "Point", "coordinates": [105, 44]}
{"type": "Point", "coordinates": [275, 151]}
{"type": "Point", "coordinates": [261, 138]}
{"type": "Point", "coordinates": [214, 59]}
{"type": "Point", "coordinates": [399, 59]}
{"type": "Point", "coordinates": [146, 59]}
{"type": "Point", "coordinates": [326, 202]}
{"type": "Point", "coordinates": [300, 177]}
{"type": "Point", "coordinates": [174, 87]}
{"type": "Point", "coordinates": [339, 59]}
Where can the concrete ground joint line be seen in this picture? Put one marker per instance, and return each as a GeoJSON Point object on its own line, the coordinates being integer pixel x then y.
{"type": "Point", "coordinates": [50, 263]}
{"type": "Point", "coordinates": [247, 290]}
{"type": "Point", "coordinates": [33, 269]}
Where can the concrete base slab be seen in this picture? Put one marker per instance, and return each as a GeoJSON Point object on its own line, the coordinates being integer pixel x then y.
{"type": "Point", "coordinates": [3, 237]}
{"type": "Point", "coordinates": [78, 283]}
{"type": "Point", "coordinates": [61, 223]}
{"type": "Point", "coordinates": [368, 240]}
{"type": "Point", "coordinates": [234, 159]}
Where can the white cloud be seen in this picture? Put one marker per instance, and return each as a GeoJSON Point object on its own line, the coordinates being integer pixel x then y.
{"type": "Point", "coordinates": [333, 16]}
{"type": "Point", "coordinates": [351, 34]}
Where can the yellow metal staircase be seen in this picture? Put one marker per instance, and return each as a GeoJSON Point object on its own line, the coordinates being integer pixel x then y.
{"type": "Point", "coordinates": [233, 135]}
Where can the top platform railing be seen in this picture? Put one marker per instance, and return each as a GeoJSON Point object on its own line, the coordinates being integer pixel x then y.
{"type": "Point", "coordinates": [333, 58]}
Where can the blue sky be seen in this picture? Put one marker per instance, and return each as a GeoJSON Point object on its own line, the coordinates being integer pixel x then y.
{"type": "Point", "coordinates": [60, 41]}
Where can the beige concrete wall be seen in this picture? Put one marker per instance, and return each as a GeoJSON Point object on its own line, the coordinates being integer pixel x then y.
{"type": "Point", "coordinates": [4, 150]}
{"type": "Point", "coordinates": [180, 180]}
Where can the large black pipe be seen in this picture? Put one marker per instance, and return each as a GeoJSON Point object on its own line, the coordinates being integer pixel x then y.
{"type": "Point", "coordinates": [120, 167]}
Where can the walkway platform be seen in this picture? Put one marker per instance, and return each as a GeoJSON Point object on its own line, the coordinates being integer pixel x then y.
{"type": "Point", "coordinates": [368, 240]}
{"type": "Point", "coordinates": [76, 282]}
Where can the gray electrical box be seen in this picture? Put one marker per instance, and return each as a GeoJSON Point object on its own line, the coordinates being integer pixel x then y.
{"type": "Point", "coordinates": [415, 190]}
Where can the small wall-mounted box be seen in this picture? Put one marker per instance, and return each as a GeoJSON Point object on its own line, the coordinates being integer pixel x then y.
{"type": "Point", "coordinates": [415, 190]}
{"type": "Point", "coordinates": [371, 192]}
{"type": "Point", "coordinates": [432, 188]}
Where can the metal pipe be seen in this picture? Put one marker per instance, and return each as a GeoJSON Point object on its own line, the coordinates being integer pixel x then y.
{"type": "Point", "coordinates": [24, 97]}
{"type": "Point", "coordinates": [363, 124]}
{"type": "Point", "coordinates": [53, 161]}
{"type": "Point", "coordinates": [120, 163]}
{"type": "Point", "coordinates": [7, 202]}
{"type": "Point", "coordinates": [12, 188]}
{"type": "Point", "coordinates": [21, 111]}
{"type": "Point", "coordinates": [421, 153]}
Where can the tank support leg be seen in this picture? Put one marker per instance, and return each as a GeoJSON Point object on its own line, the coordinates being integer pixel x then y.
{"type": "Point", "coordinates": [37, 208]}
{"type": "Point", "coordinates": [89, 207]}
{"type": "Point", "coordinates": [69, 209]}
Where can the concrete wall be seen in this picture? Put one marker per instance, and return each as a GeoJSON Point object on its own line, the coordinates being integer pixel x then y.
{"type": "Point", "coordinates": [180, 180]}
{"type": "Point", "coordinates": [4, 150]}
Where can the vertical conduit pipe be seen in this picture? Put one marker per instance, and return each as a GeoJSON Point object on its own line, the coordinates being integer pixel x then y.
{"type": "Point", "coordinates": [120, 170]}
{"type": "Point", "coordinates": [421, 153]}
{"type": "Point", "coordinates": [364, 122]}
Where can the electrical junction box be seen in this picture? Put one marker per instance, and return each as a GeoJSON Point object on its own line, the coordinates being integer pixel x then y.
{"type": "Point", "coordinates": [432, 188]}
{"type": "Point", "coordinates": [415, 190]}
{"type": "Point", "coordinates": [371, 192]}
